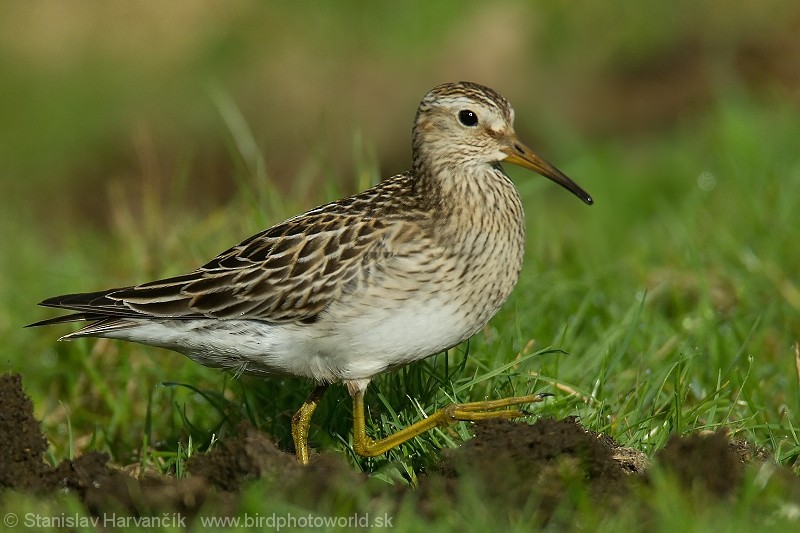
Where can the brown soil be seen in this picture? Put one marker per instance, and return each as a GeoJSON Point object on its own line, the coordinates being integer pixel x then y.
{"type": "Point", "coordinates": [512, 463]}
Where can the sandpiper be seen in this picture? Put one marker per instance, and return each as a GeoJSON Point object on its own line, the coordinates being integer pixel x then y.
{"type": "Point", "coordinates": [366, 284]}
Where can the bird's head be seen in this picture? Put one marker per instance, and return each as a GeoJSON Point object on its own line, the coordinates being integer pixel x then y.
{"type": "Point", "coordinates": [466, 124]}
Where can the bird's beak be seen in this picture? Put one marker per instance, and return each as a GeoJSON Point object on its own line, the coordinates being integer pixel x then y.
{"type": "Point", "coordinates": [519, 154]}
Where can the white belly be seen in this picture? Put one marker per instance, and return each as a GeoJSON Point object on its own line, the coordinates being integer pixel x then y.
{"type": "Point", "coordinates": [330, 350]}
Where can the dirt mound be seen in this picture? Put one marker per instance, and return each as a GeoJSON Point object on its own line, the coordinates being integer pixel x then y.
{"type": "Point", "coordinates": [101, 487]}
{"type": "Point", "coordinates": [515, 465]}
{"type": "Point", "coordinates": [252, 454]}
{"type": "Point", "coordinates": [707, 463]}
{"type": "Point", "coordinates": [21, 464]}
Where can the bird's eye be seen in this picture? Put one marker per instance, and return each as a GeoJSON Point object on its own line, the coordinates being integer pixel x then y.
{"type": "Point", "coordinates": [467, 117]}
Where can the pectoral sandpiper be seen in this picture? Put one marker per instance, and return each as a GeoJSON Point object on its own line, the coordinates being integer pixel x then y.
{"type": "Point", "coordinates": [404, 270]}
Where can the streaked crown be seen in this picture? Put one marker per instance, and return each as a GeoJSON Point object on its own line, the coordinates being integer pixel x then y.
{"type": "Point", "coordinates": [461, 123]}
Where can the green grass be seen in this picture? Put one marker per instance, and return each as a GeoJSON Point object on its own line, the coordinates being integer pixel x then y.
{"type": "Point", "coordinates": [670, 306]}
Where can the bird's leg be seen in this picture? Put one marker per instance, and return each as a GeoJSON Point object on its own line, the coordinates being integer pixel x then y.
{"type": "Point", "coordinates": [301, 421]}
{"type": "Point", "coordinates": [367, 447]}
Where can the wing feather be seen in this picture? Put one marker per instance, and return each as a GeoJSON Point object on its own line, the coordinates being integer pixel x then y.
{"type": "Point", "coordinates": [289, 272]}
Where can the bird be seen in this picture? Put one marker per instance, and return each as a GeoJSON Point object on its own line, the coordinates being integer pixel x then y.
{"type": "Point", "coordinates": [404, 270]}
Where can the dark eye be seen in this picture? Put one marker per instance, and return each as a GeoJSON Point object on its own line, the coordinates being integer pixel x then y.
{"type": "Point", "coordinates": [467, 117]}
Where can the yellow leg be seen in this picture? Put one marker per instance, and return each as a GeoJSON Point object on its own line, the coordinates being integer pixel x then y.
{"type": "Point", "coordinates": [301, 421]}
{"type": "Point", "coordinates": [367, 447]}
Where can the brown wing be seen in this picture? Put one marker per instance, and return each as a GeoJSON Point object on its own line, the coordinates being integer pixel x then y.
{"type": "Point", "coordinates": [289, 272]}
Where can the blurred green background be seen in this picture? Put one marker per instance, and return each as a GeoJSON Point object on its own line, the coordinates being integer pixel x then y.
{"type": "Point", "coordinates": [138, 139]}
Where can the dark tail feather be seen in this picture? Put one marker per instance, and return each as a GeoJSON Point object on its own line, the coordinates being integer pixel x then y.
{"type": "Point", "coordinates": [75, 317]}
{"type": "Point", "coordinates": [83, 303]}
{"type": "Point", "coordinates": [110, 304]}
{"type": "Point", "coordinates": [80, 301]}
